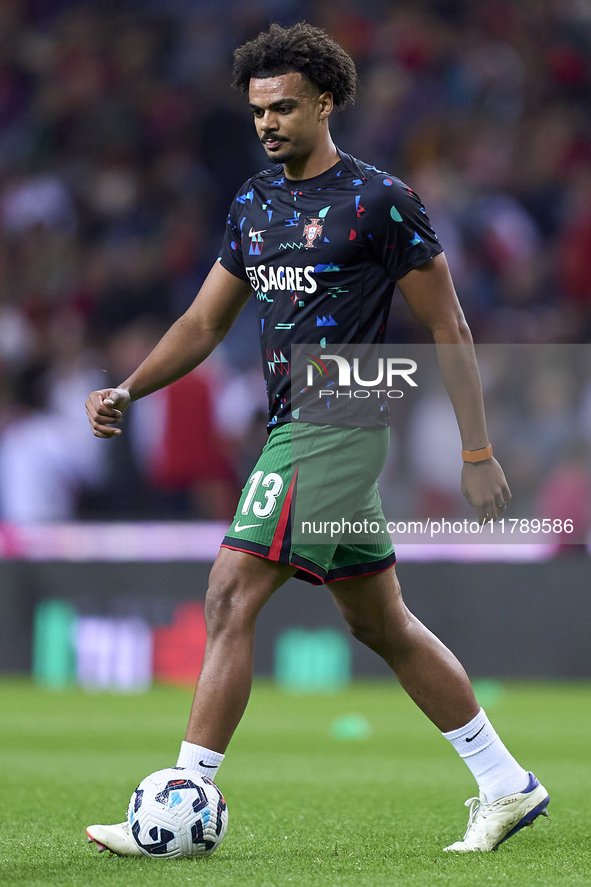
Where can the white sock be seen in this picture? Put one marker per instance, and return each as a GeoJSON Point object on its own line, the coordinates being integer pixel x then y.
{"type": "Point", "coordinates": [495, 770]}
{"type": "Point", "coordinates": [195, 757]}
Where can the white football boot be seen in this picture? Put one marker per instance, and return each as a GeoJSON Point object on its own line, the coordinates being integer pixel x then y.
{"type": "Point", "coordinates": [491, 824]}
{"type": "Point", "coordinates": [116, 838]}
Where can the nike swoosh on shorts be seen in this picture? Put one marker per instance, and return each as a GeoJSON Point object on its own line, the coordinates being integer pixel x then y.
{"type": "Point", "coordinates": [238, 528]}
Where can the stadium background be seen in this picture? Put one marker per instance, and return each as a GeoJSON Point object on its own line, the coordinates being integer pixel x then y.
{"type": "Point", "coordinates": [121, 147]}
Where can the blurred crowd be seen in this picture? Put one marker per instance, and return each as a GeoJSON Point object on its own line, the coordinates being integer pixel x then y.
{"type": "Point", "coordinates": [121, 147]}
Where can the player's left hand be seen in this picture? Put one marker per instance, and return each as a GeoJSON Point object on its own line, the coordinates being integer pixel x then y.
{"type": "Point", "coordinates": [485, 488]}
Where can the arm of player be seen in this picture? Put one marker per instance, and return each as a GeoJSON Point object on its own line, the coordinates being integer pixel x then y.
{"type": "Point", "coordinates": [430, 293]}
{"type": "Point", "coordinates": [186, 344]}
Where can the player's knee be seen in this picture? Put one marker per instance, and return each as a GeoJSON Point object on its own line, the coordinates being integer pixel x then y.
{"type": "Point", "coordinates": [226, 607]}
{"type": "Point", "coordinates": [230, 603]}
{"type": "Point", "coordinates": [366, 631]}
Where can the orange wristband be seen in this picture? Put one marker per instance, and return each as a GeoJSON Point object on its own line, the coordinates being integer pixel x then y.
{"type": "Point", "coordinates": [478, 455]}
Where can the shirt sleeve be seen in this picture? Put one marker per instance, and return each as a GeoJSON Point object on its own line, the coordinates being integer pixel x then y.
{"type": "Point", "coordinates": [231, 256]}
{"type": "Point", "coordinates": [399, 230]}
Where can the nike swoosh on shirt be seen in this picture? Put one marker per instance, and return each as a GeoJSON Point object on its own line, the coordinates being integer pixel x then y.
{"type": "Point", "coordinates": [238, 528]}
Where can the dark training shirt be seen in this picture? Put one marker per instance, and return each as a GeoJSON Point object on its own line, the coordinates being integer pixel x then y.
{"type": "Point", "coordinates": [322, 256]}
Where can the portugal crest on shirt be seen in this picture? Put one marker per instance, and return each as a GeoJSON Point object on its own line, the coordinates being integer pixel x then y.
{"type": "Point", "coordinates": [312, 231]}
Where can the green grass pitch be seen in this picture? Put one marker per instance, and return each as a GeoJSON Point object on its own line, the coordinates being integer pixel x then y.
{"type": "Point", "coordinates": [305, 808]}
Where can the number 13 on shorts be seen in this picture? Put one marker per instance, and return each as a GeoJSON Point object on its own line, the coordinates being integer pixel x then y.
{"type": "Point", "coordinates": [271, 485]}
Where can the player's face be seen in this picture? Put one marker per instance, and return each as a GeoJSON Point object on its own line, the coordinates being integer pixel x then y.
{"type": "Point", "coordinates": [289, 114]}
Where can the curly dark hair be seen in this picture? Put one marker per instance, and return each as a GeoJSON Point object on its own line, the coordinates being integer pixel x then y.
{"type": "Point", "coordinates": [301, 48]}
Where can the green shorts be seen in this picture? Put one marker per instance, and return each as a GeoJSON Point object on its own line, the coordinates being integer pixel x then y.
{"type": "Point", "coordinates": [312, 501]}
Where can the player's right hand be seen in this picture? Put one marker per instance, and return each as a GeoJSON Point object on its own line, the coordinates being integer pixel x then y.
{"type": "Point", "coordinates": [105, 410]}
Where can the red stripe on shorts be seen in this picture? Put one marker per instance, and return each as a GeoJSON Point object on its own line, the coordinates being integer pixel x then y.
{"type": "Point", "coordinates": [275, 549]}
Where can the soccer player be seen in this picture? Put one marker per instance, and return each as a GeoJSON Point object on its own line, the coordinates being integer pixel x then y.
{"type": "Point", "coordinates": [320, 240]}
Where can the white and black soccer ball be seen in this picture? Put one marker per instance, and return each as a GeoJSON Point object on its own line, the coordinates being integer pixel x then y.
{"type": "Point", "coordinates": [177, 812]}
